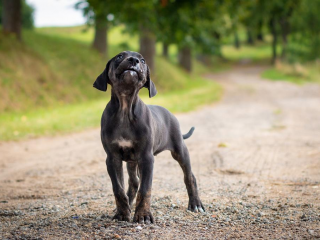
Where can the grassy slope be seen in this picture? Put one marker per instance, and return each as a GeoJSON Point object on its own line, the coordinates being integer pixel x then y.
{"type": "Point", "coordinates": [47, 83]}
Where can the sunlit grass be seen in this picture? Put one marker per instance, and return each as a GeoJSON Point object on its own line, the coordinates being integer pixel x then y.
{"type": "Point", "coordinates": [86, 115]}
{"type": "Point", "coordinates": [276, 75]}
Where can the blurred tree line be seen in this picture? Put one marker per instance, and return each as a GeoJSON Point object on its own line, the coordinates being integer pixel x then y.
{"type": "Point", "coordinates": [195, 26]}
{"type": "Point", "coordinates": [200, 25]}
{"type": "Point", "coordinates": [15, 14]}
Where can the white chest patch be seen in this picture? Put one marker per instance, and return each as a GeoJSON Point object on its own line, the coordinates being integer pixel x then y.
{"type": "Point", "coordinates": [124, 143]}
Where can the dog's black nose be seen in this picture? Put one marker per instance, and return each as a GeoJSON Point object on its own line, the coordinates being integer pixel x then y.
{"type": "Point", "coordinates": [133, 60]}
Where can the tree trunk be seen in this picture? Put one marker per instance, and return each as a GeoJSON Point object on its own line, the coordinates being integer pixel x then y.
{"type": "Point", "coordinates": [273, 29]}
{"type": "Point", "coordinates": [165, 48]}
{"type": "Point", "coordinates": [185, 60]}
{"type": "Point", "coordinates": [249, 37]}
{"type": "Point", "coordinates": [259, 34]}
{"type": "Point", "coordinates": [11, 17]}
{"type": "Point", "coordinates": [100, 36]}
{"type": "Point", "coordinates": [148, 46]}
{"type": "Point", "coordinates": [284, 33]}
{"type": "Point", "coordinates": [236, 40]}
{"type": "Point", "coordinates": [203, 58]}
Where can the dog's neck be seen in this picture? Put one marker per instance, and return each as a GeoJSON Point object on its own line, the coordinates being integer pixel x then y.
{"type": "Point", "coordinates": [125, 104]}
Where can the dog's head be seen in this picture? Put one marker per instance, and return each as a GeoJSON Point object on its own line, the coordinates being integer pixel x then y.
{"type": "Point", "coordinates": [127, 73]}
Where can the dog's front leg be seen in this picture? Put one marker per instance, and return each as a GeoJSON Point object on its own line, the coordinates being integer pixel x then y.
{"type": "Point", "coordinates": [115, 171]}
{"type": "Point", "coordinates": [143, 204]}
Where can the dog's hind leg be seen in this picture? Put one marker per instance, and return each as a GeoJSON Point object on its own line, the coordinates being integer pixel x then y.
{"type": "Point", "coordinates": [116, 175]}
{"type": "Point", "coordinates": [133, 182]}
{"type": "Point", "coordinates": [181, 154]}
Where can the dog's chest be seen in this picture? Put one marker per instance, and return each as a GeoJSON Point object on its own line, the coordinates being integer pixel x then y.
{"type": "Point", "coordinates": [123, 143]}
{"type": "Point", "coordinates": [124, 140]}
{"type": "Point", "coordinates": [124, 148]}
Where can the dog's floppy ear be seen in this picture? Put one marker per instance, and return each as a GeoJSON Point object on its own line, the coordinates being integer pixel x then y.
{"type": "Point", "coordinates": [102, 80]}
{"type": "Point", "coordinates": [150, 85]}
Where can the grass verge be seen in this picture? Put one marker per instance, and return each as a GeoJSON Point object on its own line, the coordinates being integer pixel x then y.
{"type": "Point", "coordinates": [86, 115]}
{"type": "Point", "coordinates": [294, 73]}
{"type": "Point", "coordinates": [46, 83]}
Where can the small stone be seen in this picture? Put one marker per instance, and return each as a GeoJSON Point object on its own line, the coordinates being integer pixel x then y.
{"type": "Point", "coordinates": [154, 227]}
{"type": "Point", "coordinates": [311, 231]}
{"type": "Point", "coordinates": [116, 236]}
{"type": "Point", "coordinates": [139, 227]}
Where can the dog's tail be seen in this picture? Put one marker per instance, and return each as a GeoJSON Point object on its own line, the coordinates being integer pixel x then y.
{"type": "Point", "coordinates": [187, 135]}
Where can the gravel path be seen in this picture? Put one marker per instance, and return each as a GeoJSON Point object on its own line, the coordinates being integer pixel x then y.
{"type": "Point", "coordinates": [256, 155]}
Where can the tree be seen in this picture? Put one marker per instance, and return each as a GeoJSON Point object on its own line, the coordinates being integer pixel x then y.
{"type": "Point", "coordinates": [194, 25]}
{"type": "Point", "coordinates": [235, 11]}
{"type": "Point", "coordinates": [176, 25]}
{"type": "Point", "coordinates": [142, 20]}
{"type": "Point", "coordinates": [259, 30]}
{"type": "Point", "coordinates": [305, 28]}
{"type": "Point", "coordinates": [279, 13]}
{"type": "Point", "coordinates": [11, 17]}
{"type": "Point", "coordinates": [27, 15]}
{"type": "Point", "coordinates": [97, 13]}
{"type": "Point", "coordinates": [147, 45]}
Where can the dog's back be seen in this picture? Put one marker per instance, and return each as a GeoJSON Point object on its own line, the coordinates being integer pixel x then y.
{"type": "Point", "coordinates": [167, 134]}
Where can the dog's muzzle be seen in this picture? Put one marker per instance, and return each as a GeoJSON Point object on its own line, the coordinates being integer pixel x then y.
{"type": "Point", "coordinates": [127, 69]}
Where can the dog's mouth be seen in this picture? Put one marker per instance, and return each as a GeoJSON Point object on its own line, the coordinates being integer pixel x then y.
{"type": "Point", "coordinates": [128, 71]}
{"type": "Point", "coordinates": [132, 71]}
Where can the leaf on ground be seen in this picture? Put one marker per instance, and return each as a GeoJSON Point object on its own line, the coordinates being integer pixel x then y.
{"type": "Point", "coordinates": [222, 145]}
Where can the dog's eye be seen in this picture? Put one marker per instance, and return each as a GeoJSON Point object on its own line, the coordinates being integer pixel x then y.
{"type": "Point", "coordinates": [143, 61]}
{"type": "Point", "coordinates": [119, 57]}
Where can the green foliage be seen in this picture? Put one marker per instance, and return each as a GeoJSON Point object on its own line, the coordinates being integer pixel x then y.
{"type": "Point", "coordinates": [191, 23]}
{"type": "Point", "coordinates": [202, 25]}
{"type": "Point", "coordinates": [306, 31]}
{"type": "Point", "coordinates": [27, 16]}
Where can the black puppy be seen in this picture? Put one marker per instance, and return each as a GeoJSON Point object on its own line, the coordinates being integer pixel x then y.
{"type": "Point", "coordinates": [134, 132]}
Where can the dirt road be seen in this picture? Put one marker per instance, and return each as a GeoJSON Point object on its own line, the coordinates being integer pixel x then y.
{"type": "Point", "coordinates": [255, 154]}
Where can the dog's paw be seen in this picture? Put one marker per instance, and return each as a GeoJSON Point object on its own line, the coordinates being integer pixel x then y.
{"type": "Point", "coordinates": [143, 217]}
{"type": "Point", "coordinates": [120, 216]}
{"type": "Point", "coordinates": [195, 205]}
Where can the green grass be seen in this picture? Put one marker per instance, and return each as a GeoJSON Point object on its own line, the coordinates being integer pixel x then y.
{"type": "Point", "coordinates": [309, 73]}
{"type": "Point", "coordinates": [46, 82]}
{"type": "Point", "coordinates": [85, 115]}
{"type": "Point", "coordinates": [258, 53]}
{"type": "Point", "coordinates": [276, 75]}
